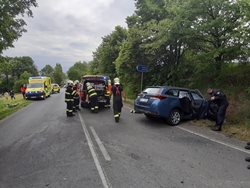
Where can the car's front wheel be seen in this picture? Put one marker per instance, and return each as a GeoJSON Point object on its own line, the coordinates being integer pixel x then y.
{"type": "Point", "coordinates": [149, 116]}
{"type": "Point", "coordinates": [174, 117]}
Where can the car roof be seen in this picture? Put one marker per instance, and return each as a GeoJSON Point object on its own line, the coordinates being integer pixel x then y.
{"type": "Point", "coordinates": [104, 77]}
{"type": "Point", "coordinates": [170, 87]}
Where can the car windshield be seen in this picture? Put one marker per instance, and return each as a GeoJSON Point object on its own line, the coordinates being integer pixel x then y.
{"type": "Point", "coordinates": [35, 85]}
{"type": "Point", "coordinates": [152, 91]}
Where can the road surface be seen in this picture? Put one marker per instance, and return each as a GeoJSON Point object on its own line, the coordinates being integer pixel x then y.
{"type": "Point", "coordinates": [41, 147]}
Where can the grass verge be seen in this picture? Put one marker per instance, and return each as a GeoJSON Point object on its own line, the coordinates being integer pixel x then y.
{"type": "Point", "coordinates": [239, 131]}
{"type": "Point", "coordinates": [8, 106]}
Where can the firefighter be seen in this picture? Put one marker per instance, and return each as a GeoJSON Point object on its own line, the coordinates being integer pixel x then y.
{"type": "Point", "coordinates": [108, 94]}
{"type": "Point", "coordinates": [92, 96]}
{"type": "Point", "coordinates": [76, 98]}
{"type": "Point", "coordinates": [117, 93]}
{"type": "Point", "coordinates": [69, 99]}
{"type": "Point", "coordinates": [219, 98]}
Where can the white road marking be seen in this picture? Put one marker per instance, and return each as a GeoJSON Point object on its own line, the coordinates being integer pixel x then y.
{"type": "Point", "coordinates": [100, 144]}
{"type": "Point", "coordinates": [215, 140]}
{"type": "Point", "coordinates": [104, 179]}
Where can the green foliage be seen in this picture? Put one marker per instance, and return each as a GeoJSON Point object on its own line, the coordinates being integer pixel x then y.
{"type": "Point", "coordinates": [58, 75]}
{"type": "Point", "coordinates": [47, 70]}
{"type": "Point", "coordinates": [106, 54]}
{"type": "Point", "coordinates": [8, 106]}
{"type": "Point", "coordinates": [11, 70]}
{"type": "Point", "coordinates": [11, 22]}
{"type": "Point", "coordinates": [77, 71]}
{"type": "Point", "coordinates": [22, 80]}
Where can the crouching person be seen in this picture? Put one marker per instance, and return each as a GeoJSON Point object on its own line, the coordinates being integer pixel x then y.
{"type": "Point", "coordinates": [92, 96]}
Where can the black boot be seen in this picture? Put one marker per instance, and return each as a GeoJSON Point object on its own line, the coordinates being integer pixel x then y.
{"type": "Point", "coordinates": [247, 147]}
{"type": "Point", "coordinates": [248, 167]}
{"type": "Point", "coordinates": [247, 159]}
{"type": "Point", "coordinates": [116, 119]}
{"type": "Point", "coordinates": [216, 128]}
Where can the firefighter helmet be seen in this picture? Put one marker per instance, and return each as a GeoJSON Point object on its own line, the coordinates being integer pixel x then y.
{"type": "Point", "coordinates": [88, 84]}
{"type": "Point", "coordinates": [76, 82]}
{"type": "Point", "coordinates": [70, 83]}
{"type": "Point", "coordinates": [116, 81]}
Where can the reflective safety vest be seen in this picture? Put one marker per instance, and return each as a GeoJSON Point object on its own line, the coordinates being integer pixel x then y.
{"type": "Point", "coordinates": [75, 95]}
{"type": "Point", "coordinates": [69, 95]}
{"type": "Point", "coordinates": [91, 91]}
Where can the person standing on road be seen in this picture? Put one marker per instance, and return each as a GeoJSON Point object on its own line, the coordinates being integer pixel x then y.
{"type": "Point", "coordinates": [92, 96]}
{"type": "Point", "coordinates": [219, 98]}
{"type": "Point", "coordinates": [69, 100]}
{"type": "Point", "coordinates": [108, 94]}
{"type": "Point", "coordinates": [117, 93]}
{"type": "Point", "coordinates": [76, 98]}
{"type": "Point", "coordinates": [23, 89]}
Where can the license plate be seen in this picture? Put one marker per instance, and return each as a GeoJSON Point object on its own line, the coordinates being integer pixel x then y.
{"type": "Point", "coordinates": [143, 100]}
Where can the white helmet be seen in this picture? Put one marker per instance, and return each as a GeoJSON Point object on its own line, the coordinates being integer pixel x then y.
{"type": "Point", "coordinates": [88, 84]}
{"type": "Point", "coordinates": [116, 81]}
{"type": "Point", "coordinates": [76, 82]}
{"type": "Point", "coordinates": [70, 83]}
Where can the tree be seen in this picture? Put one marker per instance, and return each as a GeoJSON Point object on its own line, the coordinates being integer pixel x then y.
{"type": "Point", "coordinates": [13, 68]}
{"type": "Point", "coordinates": [22, 64]}
{"type": "Point", "coordinates": [11, 22]}
{"type": "Point", "coordinates": [24, 77]}
{"type": "Point", "coordinates": [220, 30]}
{"type": "Point", "coordinates": [5, 70]}
{"type": "Point", "coordinates": [77, 71]}
{"type": "Point", "coordinates": [108, 51]}
{"type": "Point", "coordinates": [47, 70]}
{"type": "Point", "coordinates": [58, 74]}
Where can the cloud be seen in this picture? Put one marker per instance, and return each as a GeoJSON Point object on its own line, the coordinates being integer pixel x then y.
{"type": "Point", "coordinates": [65, 32]}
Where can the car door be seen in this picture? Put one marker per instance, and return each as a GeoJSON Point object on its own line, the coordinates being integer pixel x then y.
{"type": "Point", "coordinates": [197, 100]}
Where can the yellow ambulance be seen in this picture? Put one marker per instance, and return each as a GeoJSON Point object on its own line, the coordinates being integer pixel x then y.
{"type": "Point", "coordinates": [38, 87]}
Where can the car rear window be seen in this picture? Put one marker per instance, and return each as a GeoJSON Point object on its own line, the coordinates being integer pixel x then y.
{"type": "Point", "coordinates": [153, 91]}
{"type": "Point", "coordinates": [172, 92]}
{"type": "Point", "coordinates": [97, 84]}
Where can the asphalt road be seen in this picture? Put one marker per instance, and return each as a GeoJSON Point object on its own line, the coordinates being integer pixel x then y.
{"type": "Point", "coordinates": [41, 147]}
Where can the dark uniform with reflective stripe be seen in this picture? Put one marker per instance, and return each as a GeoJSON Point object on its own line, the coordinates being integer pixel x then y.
{"type": "Point", "coordinates": [117, 101]}
{"type": "Point", "coordinates": [221, 100]}
{"type": "Point", "coordinates": [74, 104]}
{"type": "Point", "coordinates": [69, 100]}
{"type": "Point", "coordinates": [93, 99]}
{"type": "Point", "coordinates": [76, 100]}
{"type": "Point", "coordinates": [107, 96]}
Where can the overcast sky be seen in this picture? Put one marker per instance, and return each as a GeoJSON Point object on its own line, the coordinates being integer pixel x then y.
{"type": "Point", "coordinates": [67, 31]}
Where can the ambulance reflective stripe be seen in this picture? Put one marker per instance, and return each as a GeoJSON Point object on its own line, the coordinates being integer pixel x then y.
{"type": "Point", "coordinates": [116, 115]}
{"type": "Point", "coordinates": [67, 110]}
{"type": "Point", "coordinates": [96, 107]}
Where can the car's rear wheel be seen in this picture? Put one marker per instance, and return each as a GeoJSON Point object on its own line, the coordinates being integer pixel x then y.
{"type": "Point", "coordinates": [174, 117]}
